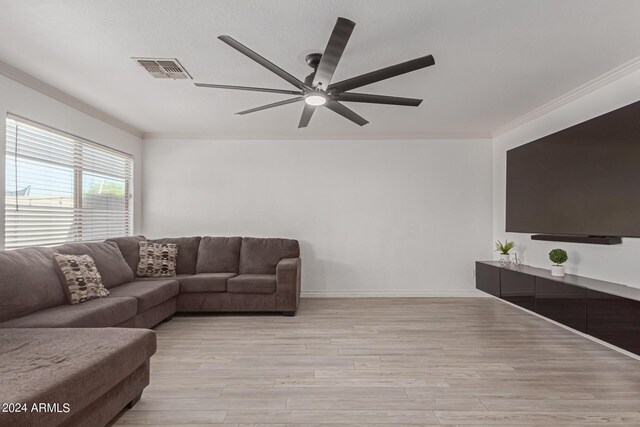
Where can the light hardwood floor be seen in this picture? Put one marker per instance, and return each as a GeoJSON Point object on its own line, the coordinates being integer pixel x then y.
{"type": "Point", "coordinates": [395, 361]}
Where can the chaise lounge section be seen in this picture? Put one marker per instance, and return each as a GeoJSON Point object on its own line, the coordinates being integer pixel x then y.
{"type": "Point", "coordinates": [96, 372]}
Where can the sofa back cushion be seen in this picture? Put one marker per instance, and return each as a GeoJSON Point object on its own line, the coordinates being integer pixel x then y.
{"type": "Point", "coordinates": [130, 249]}
{"type": "Point", "coordinates": [187, 253]}
{"type": "Point", "coordinates": [28, 282]}
{"type": "Point", "coordinates": [112, 267]}
{"type": "Point", "coordinates": [219, 255]}
{"type": "Point", "coordinates": [260, 255]}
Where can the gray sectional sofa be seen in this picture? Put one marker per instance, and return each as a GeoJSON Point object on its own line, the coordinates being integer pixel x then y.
{"type": "Point", "coordinates": [214, 274]}
{"type": "Point", "coordinates": [55, 351]}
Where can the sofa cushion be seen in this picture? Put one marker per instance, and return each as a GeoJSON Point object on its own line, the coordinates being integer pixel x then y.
{"type": "Point", "coordinates": [148, 293]}
{"type": "Point", "coordinates": [113, 269]}
{"type": "Point", "coordinates": [260, 256]}
{"type": "Point", "coordinates": [79, 277]}
{"type": "Point", "coordinates": [160, 279]}
{"type": "Point", "coordinates": [205, 282]}
{"type": "Point", "coordinates": [72, 366]}
{"type": "Point", "coordinates": [28, 282]}
{"type": "Point", "coordinates": [130, 249]}
{"type": "Point", "coordinates": [157, 259]}
{"type": "Point", "coordinates": [97, 313]}
{"type": "Point", "coordinates": [219, 255]}
{"type": "Point", "coordinates": [187, 252]}
{"type": "Point", "coordinates": [252, 284]}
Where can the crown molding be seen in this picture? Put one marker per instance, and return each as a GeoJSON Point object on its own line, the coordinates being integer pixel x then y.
{"type": "Point", "coordinates": [36, 84]}
{"type": "Point", "coordinates": [334, 137]}
{"type": "Point", "coordinates": [587, 88]}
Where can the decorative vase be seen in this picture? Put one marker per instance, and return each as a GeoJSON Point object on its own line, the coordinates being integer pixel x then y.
{"type": "Point", "coordinates": [505, 258]}
{"type": "Point", "coordinates": [514, 259]}
{"type": "Point", "coordinates": [557, 270]}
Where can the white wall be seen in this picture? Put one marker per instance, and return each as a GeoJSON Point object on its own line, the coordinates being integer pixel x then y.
{"type": "Point", "coordinates": [22, 101]}
{"type": "Point", "coordinates": [619, 263]}
{"type": "Point", "coordinates": [373, 217]}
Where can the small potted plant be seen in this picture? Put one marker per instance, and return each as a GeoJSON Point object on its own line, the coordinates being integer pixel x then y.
{"type": "Point", "coordinates": [558, 257]}
{"type": "Point", "coordinates": [504, 249]}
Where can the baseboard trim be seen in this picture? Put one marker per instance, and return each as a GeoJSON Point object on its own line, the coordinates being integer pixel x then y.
{"type": "Point", "coordinates": [392, 294]}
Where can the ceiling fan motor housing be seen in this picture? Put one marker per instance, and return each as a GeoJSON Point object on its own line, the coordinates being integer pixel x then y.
{"type": "Point", "coordinates": [312, 59]}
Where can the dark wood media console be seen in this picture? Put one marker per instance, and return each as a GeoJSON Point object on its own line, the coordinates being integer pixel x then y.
{"type": "Point", "coordinates": [605, 310]}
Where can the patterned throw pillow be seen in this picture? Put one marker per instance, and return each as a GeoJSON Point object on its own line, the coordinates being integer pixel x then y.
{"type": "Point", "coordinates": [80, 277]}
{"type": "Point", "coordinates": [157, 259]}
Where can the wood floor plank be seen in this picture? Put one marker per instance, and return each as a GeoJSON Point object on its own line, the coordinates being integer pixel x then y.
{"type": "Point", "coordinates": [360, 403]}
{"type": "Point", "coordinates": [547, 418]}
{"type": "Point", "coordinates": [561, 405]}
{"type": "Point", "coordinates": [171, 418]}
{"type": "Point", "coordinates": [331, 416]}
{"type": "Point", "coordinates": [333, 392]}
{"type": "Point", "coordinates": [387, 361]}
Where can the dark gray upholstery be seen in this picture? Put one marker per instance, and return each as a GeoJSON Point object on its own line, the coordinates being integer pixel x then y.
{"type": "Point", "coordinates": [219, 255]}
{"type": "Point", "coordinates": [187, 253]}
{"type": "Point", "coordinates": [156, 279]}
{"type": "Point", "coordinates": [260, 255]}
{"type": "Point", "coordinates": [75, 366]}
{"type": "Point", "coordinates": [225, 302]}
{"type": "Point", "coordinates": [252, 284]}
{"type": "Point", "coordinates": [205, 282]}
{"type": "Point", "coordinates": [31, 294]}
{"type": "Point", "coordinates": [155, 315]}
{"type": "Point", "coordinates": [130, 249]}
{"type": "Point", "coordinates": [100, 412]}
{"type": "Point", "coordinates": [112, 267]}
{"type": "Point", "coordinates": [148, 293]}
{"type": "Point", "coordinates": [96, 313]}
{"type": "Point", "coordinates": [28, 282]}
{"type": "Point", "coordinates": [288, 278]}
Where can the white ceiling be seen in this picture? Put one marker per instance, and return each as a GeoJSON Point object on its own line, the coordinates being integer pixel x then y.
{"type": "Point", "coordinates": [495, 59]}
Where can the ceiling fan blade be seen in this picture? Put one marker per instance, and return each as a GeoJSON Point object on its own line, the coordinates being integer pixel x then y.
{"type": "Point", "coordinates": [345, 112]}
{"type": "Point", "coordinates": [253, 89]}
{"type": "Point", "coordinates": [264, 62]}
{"type": "Point", "coordinates": [275, 104]}
{"type": "Point", "coordinates": [333, 52]}
{"type": "Point", "coordinates": [382, 74]}
{"type": "Point", "coordinates": [306, 115]}
{"type": "Point", "coordinates": [376, 99]}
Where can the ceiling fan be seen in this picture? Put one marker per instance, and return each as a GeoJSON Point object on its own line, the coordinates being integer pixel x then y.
{"type": "Point", "coordinates": [317, 89]}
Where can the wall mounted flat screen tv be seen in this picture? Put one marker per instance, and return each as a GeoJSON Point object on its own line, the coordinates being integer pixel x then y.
{"type": "Point", "coordinates": [583, 180]}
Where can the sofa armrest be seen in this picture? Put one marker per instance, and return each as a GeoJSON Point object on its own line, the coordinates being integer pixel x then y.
{"type": "Point", "coordinates": [288, 275]}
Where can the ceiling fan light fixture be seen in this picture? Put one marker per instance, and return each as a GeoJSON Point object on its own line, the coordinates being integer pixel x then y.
{"type": "Point", "coordinates": [315, 99]}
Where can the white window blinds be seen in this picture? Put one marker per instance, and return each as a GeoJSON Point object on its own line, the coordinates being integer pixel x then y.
{"type": "Point", "coordinates": [60, 188]}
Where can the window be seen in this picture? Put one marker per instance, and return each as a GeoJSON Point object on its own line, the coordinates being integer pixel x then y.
{"type": "Point", "coordinates": [60, 188]}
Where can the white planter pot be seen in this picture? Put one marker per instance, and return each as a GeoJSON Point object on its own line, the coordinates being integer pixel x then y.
{"type": "Point", "coordinates": [557, 270]}
{"type": "Point", "coordinates": [505, 258]}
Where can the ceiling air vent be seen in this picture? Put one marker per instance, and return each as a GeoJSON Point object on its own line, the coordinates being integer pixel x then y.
{"type": "Point", "coordinates": [163, 68]}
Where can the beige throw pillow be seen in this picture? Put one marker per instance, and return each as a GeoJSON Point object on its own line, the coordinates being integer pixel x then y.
{"type": "Point", "coordinates": [157, 259]}
{"type": "Point", "coordinates": [80, 278]}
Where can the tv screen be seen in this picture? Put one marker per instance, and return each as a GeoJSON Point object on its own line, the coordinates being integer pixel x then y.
{"type": "Point", "coordinates": [584, 180]}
